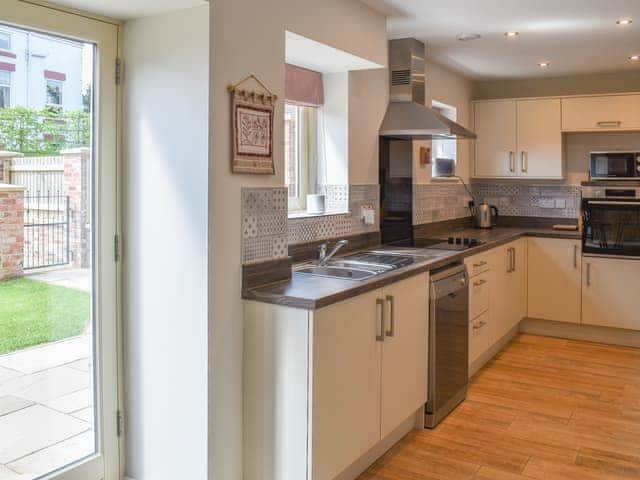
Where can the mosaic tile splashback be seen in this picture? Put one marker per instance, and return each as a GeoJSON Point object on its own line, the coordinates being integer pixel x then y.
{"type": "Point", "coordinates": [267, 231]}
{"type": "Point", "coordinates": [438, 202]}
{"type": "Point", "coordinates": [557, 201]}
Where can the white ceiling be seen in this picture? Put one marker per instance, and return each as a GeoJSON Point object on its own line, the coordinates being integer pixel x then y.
{"type": "Point", "coordinates": [576, 36]}
{"type": "Point", "coordinates": [129, 9]}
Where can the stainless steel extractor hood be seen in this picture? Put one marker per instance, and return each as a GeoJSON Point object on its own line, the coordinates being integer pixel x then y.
{"type": "Point", "coordinates": [407, 116]}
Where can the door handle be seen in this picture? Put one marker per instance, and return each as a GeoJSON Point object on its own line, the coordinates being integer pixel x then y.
{"type": "Point", "coordinates": [512, 161]}
{"type": "Point", "coordinates": [380, 303]}
{"type": "Point", "coordinates": [480, 264]}
{"type": "Point", "coordinates": [588, 274]}
{"type": "Point", "coordinates": [610, 123]}
{"type": "Point", "coordinates": [392, 310]}
{"type": "Point", "coordinates": [524, 161]}
{"type": "Point", "coordinates": [511, 260]}
{"type": "Point", "coordinates": [575, 256]}
{"type": "Point", "coordinates": [479, 283]}
{"type": "Point", "coordinates": [513, 256]}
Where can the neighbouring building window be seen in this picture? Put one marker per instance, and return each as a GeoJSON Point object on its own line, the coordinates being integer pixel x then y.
{"type": "Point", "coordinates": [300, 159]}
{"type": "Point", "coordinates": [5, 89]}
{"type": "Point", "coordinates": [54, 92]}
{"type": "Point", "coordinates": [5, 41]}
{"type": "Point", "coordinates": [446, 149]}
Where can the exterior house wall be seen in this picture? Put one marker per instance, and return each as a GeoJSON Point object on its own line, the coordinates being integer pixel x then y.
{"type": "Point", "coordinates": [32, 54]}
{"type": "Point", "coordinates": [11, 231]}
{"type": "Point", "coordinates": [256, 32]}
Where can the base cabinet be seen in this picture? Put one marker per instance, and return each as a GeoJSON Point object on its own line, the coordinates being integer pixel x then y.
{"type": "Point", "coordinates": [508, 288]}
{"type": "Point", "coordinates": [323, 387]}
{"type": "Point", "coordinates": [610, 292]}
{"type": "Point", "coordinates": [554, 276]}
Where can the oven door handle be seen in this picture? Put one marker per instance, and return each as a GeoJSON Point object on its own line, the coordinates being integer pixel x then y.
{"type": "Point", "coordinates": [603, 202]}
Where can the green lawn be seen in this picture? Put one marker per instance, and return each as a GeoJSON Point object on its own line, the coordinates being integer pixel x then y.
{"type": "Point", "coordinates": [33, 312]}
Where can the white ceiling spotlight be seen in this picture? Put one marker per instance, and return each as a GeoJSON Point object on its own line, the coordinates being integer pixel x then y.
{"type": "Point", "coordinates": [467, 37]}
{"type": "Point", "coordinates": [634, 58]}
{"type": "Point", "coordinates": [511, 34]}
{"type": "Point", "coordinates": [544, 64]}
{"type": "Point", "coordinates": [624, 21]}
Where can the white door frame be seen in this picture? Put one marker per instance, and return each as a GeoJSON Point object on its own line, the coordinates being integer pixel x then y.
{"type": "Point", "coordinates": [34, 15]}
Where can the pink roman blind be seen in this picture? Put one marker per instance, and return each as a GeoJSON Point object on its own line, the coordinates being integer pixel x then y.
{"type": "Point", "coordinates": [303, 87]}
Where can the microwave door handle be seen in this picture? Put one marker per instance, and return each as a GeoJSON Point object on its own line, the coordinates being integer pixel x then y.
{"type": "Point", "coordinates": [604, 202]}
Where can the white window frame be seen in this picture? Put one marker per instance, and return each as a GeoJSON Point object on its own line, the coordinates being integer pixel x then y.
{"type": "Point", "coordinates": [60, 84]}
{"type": "Point", "coordinates": [298, 202]}
{"type": "Point", "coordinates": [7, 85]}
{"type": "Point", "coordinates": [451, 113]}
{"type": "Point", "coordinates": [8, 35]}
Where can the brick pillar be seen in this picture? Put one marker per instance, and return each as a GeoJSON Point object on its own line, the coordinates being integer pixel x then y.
{"type": "Point", "coordinates": [5, 165]}
{"type": "Point", "coordinates": [11, 231]}
{"type": "Point", "coordinates": [77, 186]}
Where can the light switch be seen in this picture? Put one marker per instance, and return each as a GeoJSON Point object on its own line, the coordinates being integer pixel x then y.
{"type": "Point", "coordinates": [368, 215]}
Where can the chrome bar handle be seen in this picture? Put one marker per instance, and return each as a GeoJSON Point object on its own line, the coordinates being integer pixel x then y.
{"type": "Point", "coordinates": [588, 274]}
{"type": "Point", "coordinates": [480, 264]}
{"type": "Point", "coordinates": [514, 257]}
{"type": "Point", "coordinates": [512, 161]}
{"type": "Point", "coordinates": [610, 123]}
{"type": "Point", "coordinates": [380, 303]}
{"type": "Point", "coordinates": [575, 256]}
{"type": "Point", "coordinates": [524, 161]}
{"type": "Point", "coordinates": [392, 309]}
{"type": "Point", "coordinates": [479, 283]}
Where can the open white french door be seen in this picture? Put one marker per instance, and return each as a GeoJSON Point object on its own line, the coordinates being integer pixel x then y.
{"type": "Point", "coordinates": [45, 451]}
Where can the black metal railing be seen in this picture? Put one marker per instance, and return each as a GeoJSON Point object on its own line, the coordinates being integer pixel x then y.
{"type": "Point", "coordinates": [46, 230]}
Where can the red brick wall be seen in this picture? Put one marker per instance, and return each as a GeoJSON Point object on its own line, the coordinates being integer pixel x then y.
{"type": "Point", "coordinates": [11, 233]}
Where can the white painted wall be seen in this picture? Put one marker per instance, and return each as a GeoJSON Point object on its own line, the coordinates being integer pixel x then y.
{"type": "Point", "coordinates": [333, 128]}
{"type": "Point", "coordinates": [165, 259]}
{"type": "Point", "coordinates": [248, 36]}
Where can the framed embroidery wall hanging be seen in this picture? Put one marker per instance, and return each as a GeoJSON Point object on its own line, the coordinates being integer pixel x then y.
{"type": "Point", "coordinates": [252, 119]}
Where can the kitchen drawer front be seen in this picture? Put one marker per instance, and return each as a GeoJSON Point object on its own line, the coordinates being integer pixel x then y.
{"type": "Point", "coordinates": [477, 264]}
{"type": "Point", "coordinates": [478, 295]}
{"type": "Point", "coordinates": [478, 337]}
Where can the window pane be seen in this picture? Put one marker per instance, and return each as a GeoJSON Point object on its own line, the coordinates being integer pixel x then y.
{"type": "Point", "coordinates": [5, 41]}
{"type": "Point", "coordinates": [54, 92]}
{"type": "Point", "coordinates": [5, 97]}
{"type": "Point", "coordinates": [5, 77]}
{"type": "Point", "coordinates": [291, 149]}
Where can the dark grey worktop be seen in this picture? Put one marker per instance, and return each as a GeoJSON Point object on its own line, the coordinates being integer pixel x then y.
{"type": "Point", "coordinates": [312, 292]}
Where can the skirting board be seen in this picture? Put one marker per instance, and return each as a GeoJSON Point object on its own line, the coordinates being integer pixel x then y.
{"type": "Point", "coordinates": [482, 360]}
{"type": "Point", "coordinates": [575, 331]}
{"type": "Point", "coordinates": [352, 472]}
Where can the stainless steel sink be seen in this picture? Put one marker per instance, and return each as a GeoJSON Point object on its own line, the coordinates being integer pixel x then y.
{"type": "Point", "coordinates": [344, 272]}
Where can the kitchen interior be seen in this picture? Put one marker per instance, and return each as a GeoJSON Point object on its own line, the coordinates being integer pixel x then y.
{"type": "Point", "coordinates": [470, 311]}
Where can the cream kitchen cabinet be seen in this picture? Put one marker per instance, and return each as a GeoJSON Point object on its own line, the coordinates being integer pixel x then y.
{"type": "Point", "coordinates": [601, 113]}
{"type": "Point", "coordinates": [518, 138]}
{"type": "Point", "coordinates": [322, 387]}
{"type": "Point", "coordinates": [554, 276]}
{"type": "Point", "coordinates": [610, 292]}
{"type": "Point", "coordinates": [495, 147]}
{"type": "Point", "coordinates": [508, 288]}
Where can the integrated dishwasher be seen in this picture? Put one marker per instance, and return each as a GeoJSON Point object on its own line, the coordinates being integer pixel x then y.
{"type": "Point", "coordinates": [448, 342]}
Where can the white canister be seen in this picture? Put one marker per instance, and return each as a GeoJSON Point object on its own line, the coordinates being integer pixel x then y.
{"type": "Point", "coordinates": [315, 204]}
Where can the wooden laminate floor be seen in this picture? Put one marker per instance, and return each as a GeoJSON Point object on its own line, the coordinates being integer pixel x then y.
{"type": "Point", "coordinates": [544, 408]}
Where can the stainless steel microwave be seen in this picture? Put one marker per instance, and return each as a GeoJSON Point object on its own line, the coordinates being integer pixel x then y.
{"type": "Point", "coordinates": [614, 165]}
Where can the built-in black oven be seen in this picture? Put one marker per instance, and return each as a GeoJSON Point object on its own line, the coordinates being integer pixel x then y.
{"type": "Point", "coordinates": [611, 220]}
{"type": "Point", "coordinates": [614, 165]}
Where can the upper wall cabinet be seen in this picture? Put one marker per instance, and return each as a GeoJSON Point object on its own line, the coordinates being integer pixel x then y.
{"type": "Point", "coordinates": [601, 113]}
{"type": "Point", "coordinates": [518, 138]}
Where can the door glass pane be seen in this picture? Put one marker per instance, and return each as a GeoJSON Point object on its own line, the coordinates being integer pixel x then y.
{"type": "Point", "coordinates": [47, 384]}
{"type": "Point", "coordinates": [613, 228]}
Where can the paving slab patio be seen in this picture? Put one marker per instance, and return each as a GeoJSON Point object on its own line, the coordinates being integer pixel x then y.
{"type": "Point", "coordinates": [46, 408]}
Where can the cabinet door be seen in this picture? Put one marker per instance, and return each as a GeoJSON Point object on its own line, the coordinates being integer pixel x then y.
{"type": "Point", "coordinates": [539, 138]}
{"type": "Point", "coordinates": [495, 125]}
{"type": "Point", "coordinates": [610, 292]}
{"type": "Point", "coordinates": [601, 113]}
{"type": "Point", "coordinates": [346, 362]}
{"type": "Point", "coordinates": [518, 282]}
{"type": "Point", "coordinates": [500, 303]}
{"type": "Point", "coordinates": [554, 279]}
{"type": "Point", "coordinates": [404, 351]}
